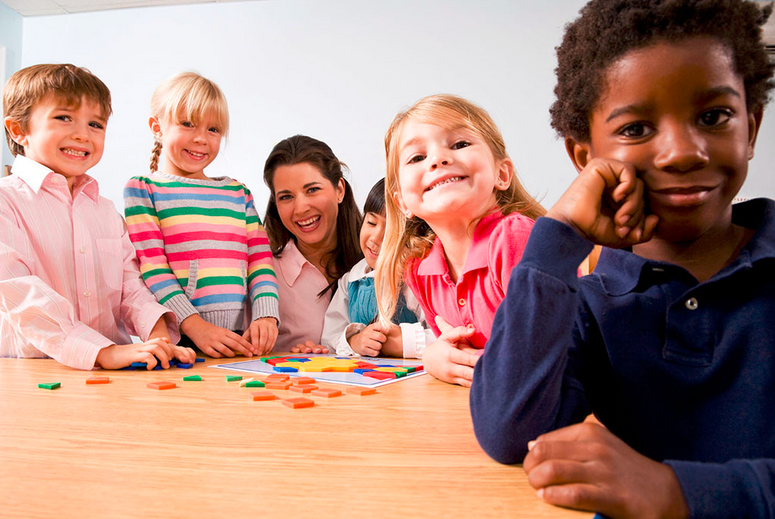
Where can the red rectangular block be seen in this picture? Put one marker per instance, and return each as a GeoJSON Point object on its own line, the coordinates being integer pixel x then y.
{"type": "Point", "coordinates": [380, 375]}
{"type": "Point", "coordinates": [298, 403]}
{"type": "Point", "coordinates": [362, 391]}
{"type": "Point", "coordinates": [327, 392]}
{"type": "Point", "coordinates": [299, 381]}
{"type": "Point", "coordinates": [262, 395]}
{"type": "Point", "coordinates": [98, 380]}
{"type": "Point", "coordinates": [305, 388]}
{"type": "Point", "coordinates": [162, 385]}
{"type": "Point", "coordinates": [278, 385]}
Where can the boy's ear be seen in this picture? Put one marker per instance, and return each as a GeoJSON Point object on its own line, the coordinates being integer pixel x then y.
{"type": "Point", "coordinates": [16, 131]}
{"type": "Point", "coordinates": [580, 153]}
{"type": "Point", "coordinates": [505, 173]}
{"type": "Point", "coordinates": [754, 123]}
{"type": "Point", "coordinates": [153, 123]}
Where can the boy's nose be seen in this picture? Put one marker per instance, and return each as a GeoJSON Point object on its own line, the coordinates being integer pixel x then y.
{"type": "Point", "coordinates": [681, 149]}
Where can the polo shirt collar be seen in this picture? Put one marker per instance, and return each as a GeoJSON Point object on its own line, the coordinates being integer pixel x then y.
{"type": "Point", "coordinates": [621, 270]}
{"type": "Point", "coordinates": [36, 176]}
{"type": "Point", "coordinates": [435, 263]}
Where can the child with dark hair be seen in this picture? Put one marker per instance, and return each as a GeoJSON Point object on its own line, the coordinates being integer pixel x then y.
{"type": "Point", "coordinates": [351, 326]}
{"type": "Point", "coordinates": [670, 341]}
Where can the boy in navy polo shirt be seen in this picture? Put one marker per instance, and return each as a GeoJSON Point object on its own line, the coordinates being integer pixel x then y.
{"type": "Point", "coordinates": [671, 341]}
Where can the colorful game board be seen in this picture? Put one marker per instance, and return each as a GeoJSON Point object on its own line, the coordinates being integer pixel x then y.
{"type": "Point", "coordinates": [355, 371]}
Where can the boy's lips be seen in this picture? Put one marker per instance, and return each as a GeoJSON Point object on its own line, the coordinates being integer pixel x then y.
{"type": "Point", "coordinates": [73, 152]}
{"type": "Point", "coordinates": [681, 196]}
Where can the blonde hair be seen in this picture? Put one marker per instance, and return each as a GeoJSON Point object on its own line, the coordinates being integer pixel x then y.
{"type": "Point", "coordinates": [190, 96]}
{"type": "Point", "coordinates": [66, 82]}
{"type": "Point", "coordinates": [410, 239]}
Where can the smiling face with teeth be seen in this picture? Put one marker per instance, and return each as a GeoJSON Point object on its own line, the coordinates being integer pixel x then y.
{"type": "Point", "coordinates": [67, 139]}
{"type": "Point", "coordinates": [188, 147]}
{"type": "Point", "coordinates": [308, 205]}
{"type": "Point", "coordinates": [447, 173]}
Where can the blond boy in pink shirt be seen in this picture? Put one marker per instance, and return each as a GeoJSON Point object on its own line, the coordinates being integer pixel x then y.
{"type": "Point", "coordinates": [70, 287]}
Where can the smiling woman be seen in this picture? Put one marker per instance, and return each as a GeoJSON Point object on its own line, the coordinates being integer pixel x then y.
{"type": "Point", "coordinates": [312, 221]}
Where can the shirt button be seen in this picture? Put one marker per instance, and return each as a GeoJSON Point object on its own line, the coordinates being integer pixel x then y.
{"type": "Point", "coordinates": [691, 303]}
{"type": "Point", "coordinates": [86, 293]}
{"type": "Point", "coordinates": [82, 250]}
{"type": "Point", "coordinates": [461, 302]}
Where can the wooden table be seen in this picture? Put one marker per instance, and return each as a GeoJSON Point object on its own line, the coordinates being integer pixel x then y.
{"type": "Point", "coordinates": [205, 449]}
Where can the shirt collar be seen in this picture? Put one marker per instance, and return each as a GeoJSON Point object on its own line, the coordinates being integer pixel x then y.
{"type": "Point", "coordinates": [621, 270]}
{"type": "Point", "coordinates": [360, 270]}
{"type": "Point", "coordinates": [436, 265]}
{"type": "Point", "coordinates": [36, 176]}
{"type": "Point", "coordinates": [292, 263]}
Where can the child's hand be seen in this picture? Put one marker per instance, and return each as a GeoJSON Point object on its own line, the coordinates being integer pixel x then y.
{"type": "Point", "coordinates": [585, 466]}
{"type": "Point", "coordinates": [606, 205]}
{"type": "Point", "coordinates": [120, 356]}
{"type": "Point", "coordinates": [309, 347]}
{"type": "Point", "coordinates": [450, 357]}
{"type": "Point", "coordinates": [262, 334]}
{"type": "Point", "coordinates": [368, 342]}
{"type": "Point", "coordinates": [214, 340]}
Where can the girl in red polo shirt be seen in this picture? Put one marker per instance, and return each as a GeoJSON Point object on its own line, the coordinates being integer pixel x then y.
{"type": "Point", "coordinates": [457, 223]}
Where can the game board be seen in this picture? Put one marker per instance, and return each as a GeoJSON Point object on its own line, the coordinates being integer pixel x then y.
{"type": "Point", "coordinates": [355, 371]}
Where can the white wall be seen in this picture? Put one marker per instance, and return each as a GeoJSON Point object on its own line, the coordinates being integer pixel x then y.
{"type": "Point", "coordinates": [337, 70]}
{"type": "Point", "coordinates": [11, 24]}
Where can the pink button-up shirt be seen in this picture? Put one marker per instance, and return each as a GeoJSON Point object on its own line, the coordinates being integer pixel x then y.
{"type": "Point", "coordinates": [302, 312]}
{"type": "Point", "coordinates": [69, 279]}
{"type": "Point", "coordinates": [496, 248]}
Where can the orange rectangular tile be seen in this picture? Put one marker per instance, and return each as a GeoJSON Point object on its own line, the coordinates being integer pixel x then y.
{"type": "Point", "coordinates": [278, 385]}
{"type": "Point", "coordinates": [327, 392]}
{"type": "Point", "coordinates": [362, 391]}
{"type": "Point", "coordinates": [304, 388]}
{"type": "Point", "coordinates": [98, 380]}
{"type": "Point", "coordinates": [298, 403]}
{"type": "Point", "coordinates": [262, 395]}
{"type": "Point", "coordinates": [162, 385]}
{"type": "Point", "coordinates": [277, 377]}
{"type": "Point", "coordinates": [298, 381]}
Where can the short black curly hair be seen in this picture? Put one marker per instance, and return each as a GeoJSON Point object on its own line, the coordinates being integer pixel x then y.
{"type": "Point", "coordinates": [607, 29]}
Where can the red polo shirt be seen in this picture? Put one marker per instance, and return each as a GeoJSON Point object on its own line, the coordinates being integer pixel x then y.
{"type": "Point", "coordinates": [496, 248]}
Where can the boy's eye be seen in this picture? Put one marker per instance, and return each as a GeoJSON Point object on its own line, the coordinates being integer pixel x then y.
{"type": "Point", "coordinates": [63, 117]}
{"type": "Point", "coordinates": [635, 131]}
{"type": "Point", "coordinates": [715, 117]}
{"type": "Point", "coordinates": [187, 124]}
{"type": "Point", "coordinates": [214, 130]}
{"type": "Point", "coordinates": [96, 125]}
{"type": "Point", "coordinates": [460, 145]}
{"type": "Point", "coordinates": [416, 158]}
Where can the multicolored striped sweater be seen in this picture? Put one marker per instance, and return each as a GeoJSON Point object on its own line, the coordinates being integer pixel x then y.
{"type": "Point", "coordinates": [202, 248]}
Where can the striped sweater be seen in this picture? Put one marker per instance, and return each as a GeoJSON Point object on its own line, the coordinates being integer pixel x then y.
{"type": "Point", "coordinates": [202, 248]}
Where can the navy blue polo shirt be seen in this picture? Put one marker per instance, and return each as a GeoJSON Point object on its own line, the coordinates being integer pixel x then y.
{"type": "Point", "coordinates": [682, 371]}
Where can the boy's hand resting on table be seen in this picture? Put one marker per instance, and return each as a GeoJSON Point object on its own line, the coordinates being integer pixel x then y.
{"type": "Point", "coordinates": [585, 466]}
{"type": "Point", "coordinates": [262, 335]}
{"type": "Point", "coordinates": [213, 340]}
{"type": "Point", "coordinates": [120, 356]}
{"type": "Point", "coordinates": [450, 357]}
{"type": "Point", "coordinates": [309, 347]}
{"type": "Point", "coordinates": [606, 205]}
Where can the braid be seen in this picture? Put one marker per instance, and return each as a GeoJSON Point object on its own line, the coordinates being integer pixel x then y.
{"type": "Point", "coordinates": [155, 156]}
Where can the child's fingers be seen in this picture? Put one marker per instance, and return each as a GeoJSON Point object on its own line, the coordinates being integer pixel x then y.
{"type": "Point", "coordinates": [457, 334]}
{"type": "Point", "coordinates": [442, 324]}
{"type": "Point", "coordinates": [237, 343]}
{"type": "Point", "coordinates": [463, 358]}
